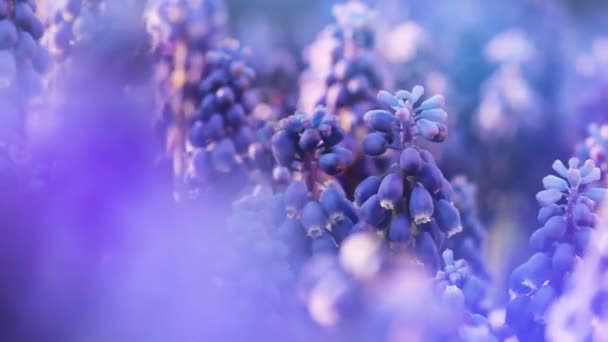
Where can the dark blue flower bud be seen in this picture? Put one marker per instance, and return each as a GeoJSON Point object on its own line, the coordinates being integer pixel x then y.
{"type": "Point", "coordinates": [563, 258]}
{"type": "Point", "coordinates": [381, 120]}
{"type": "Point", "coordinates": [296, 196]}
{"type": "Point", "coordinates": [447, 190]}
{"type": "Point", "coordinates": [421, 205]}
{"type": "Point", "coordinates": [342, 229]}
{"type": "Point", "coordinates": [331, 164]}
{"type": "Point", "coordinates": [582, 237]}
{"type": "Point", "coordinates": [225, 97]}
{"type": "Point", "coordinates": [314, 219]}
{"type": "Point", "coordinates": [375, 144]}
{"type": "Point", "coordinates": [373, 213]}
{"type": "Point", "coordinates": [410, 161]}
{"type": "Point", "coordinates": [366, 189]}
{"type": "Point", "coordinates": [553, 230]}
{"type": "Point", "coordinates": [331, 200]}
{"type": "Point", "coordinates": [196, 136]}
{"type": "Point", "coordinates": [293, 124]}
{"type": "Point", "coordinates": [284, 147]}
{"type": "Point", "coordinates": [545, 213]}
{"type": "Point", "coordinates": [8, 34]}
{"type": "Point", "coordinates": [518, 314]}
{"type": "Point", "coordinates": [431, 177]}
{"type": "Point", "coordinates": [531, 274]}
{"type": "Point", "coordinates": [542, 299]}
{"type": "Point", "coordinates": [207, 107]}
{"type": "Point", "coordinates": [391, 191]}
{"type": "Point", "coordinates": [556, 227]}
{"type": "Point", "coordinates": [243, 139]}
{"type": "Point", "coordinates": [235, 115]}
{"type": "Point", "coordinates": [310, 139]}
{"type": "Point", "coordinates": [317, 116]}
{"type": "Point", "coordinates": [447, 217]}
{"type": "Point", "coordinates": [331, 136]}
{"type": "Point", "coordinates": [540, 240]}
{"type": "Point", "coordinates": [214, 127]}
{"type": "Point", "coordinates": [582, 214]}
{"type": "Point", "coordinates": [400, 229]}
{"type": "Point", "coordinates": [349, 210]}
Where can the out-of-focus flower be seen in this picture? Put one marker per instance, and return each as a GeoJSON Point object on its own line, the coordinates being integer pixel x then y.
{"type": "Point", "coordinates": [510, 47]}
{"type": "Point", "coordinates": [567, 215]}
{"type": "Point", "coordinates": [401, 44]}
{"type": "Point", "coordinates": [596, 147]}
{"type": "Point", "coordinates": [582, 312]}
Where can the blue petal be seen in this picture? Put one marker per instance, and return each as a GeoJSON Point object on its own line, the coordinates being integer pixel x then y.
{"type": "Point", "coordinates": [547, 197]}
{"type": "Point", "coordinates": [554, 182]}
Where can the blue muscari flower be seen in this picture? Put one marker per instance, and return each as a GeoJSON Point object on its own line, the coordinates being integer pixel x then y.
{"type": "Point", "coordinates": [354, 77]}
{"type": "Point", "coordinates": [595, 147]}
{"type": "Point", "coordinates": [408, 117]}
{"type": "Point", "coordinates": [581, 310]}
{"type": "Point", "coordinates": [300, 142]}
{"type": "Point", "coordinates": [414, 188]}
{"type": "Point", "coordinates": [468, 245]}
{"type": "Point", "coordinates": [307, 147]}
{"type": "Point", "coordinates": [567, 217]}
{"type": "Point", "coordinates": [457, 275]}
{"type": "Point", "coordinates": [23, 63]}
{"type": "Point", "coordinates": [219, 125]}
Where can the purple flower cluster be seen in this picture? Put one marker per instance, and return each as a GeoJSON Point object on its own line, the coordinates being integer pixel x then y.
{"type": "Point", "coordinates": [568, 218]}
{"type": "Point", "coordinates": [155, 187]}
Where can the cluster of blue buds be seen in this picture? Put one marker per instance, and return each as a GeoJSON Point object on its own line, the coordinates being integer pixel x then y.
{"type": "Point", "coordinates": [582, 311]}
{"type": "Point", "coordinates": [354, 77]}
{"type": "Point", "coordinates": [311, 224]}
{"type": "Point", "coordinates": [408, 118]}
{"type": "Point", "coordinates": [182, 33]}
{"type": "Point", "coordinates": [22, 59]}
{"type": "Point", "coordinates": [568, 220]}
{"type": "Point", "coordinates": [196, 24]}
{"type": "Point", "coordinates": [460, 289]}
{"type": "Point", "coordinates": [457, 282]}
{"type": "Point", "coordinates": [219, 130]}
{"type": "Point", "coordinates": [413, 201]}
{"type": "Point", "coordinates": [75, 21]}
{"type": "Point", "coordinates": [596, 147]}
{"type": "Point", "coordinates": [306, 144]}
{"type": "Point", "coordinates": [95, 28]}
